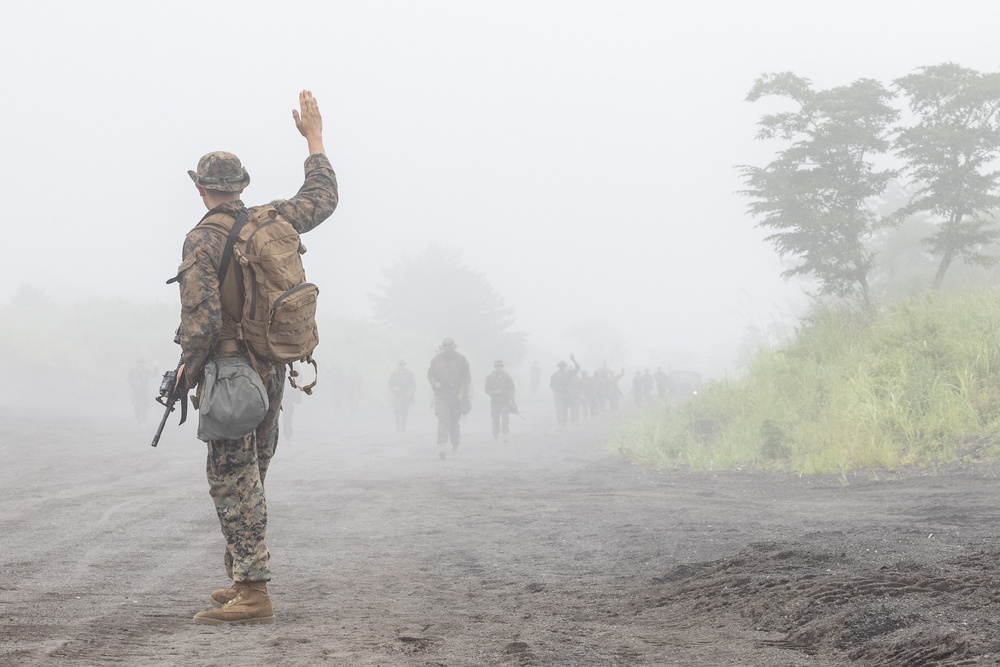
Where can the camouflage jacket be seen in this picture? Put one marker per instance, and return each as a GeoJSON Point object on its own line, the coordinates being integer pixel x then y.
{"type": "Point", "coordinates": [500, 386]}
{"type": "Point", "coordinates": [449, 374]}
{"type": "Point", "coordinates": [209, 314]}
{"type": "Point", "coordinates": [402, 383]}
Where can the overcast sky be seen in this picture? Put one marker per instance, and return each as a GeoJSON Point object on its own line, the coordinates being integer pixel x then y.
{"type": "Point", "coordinates": [581, 154]}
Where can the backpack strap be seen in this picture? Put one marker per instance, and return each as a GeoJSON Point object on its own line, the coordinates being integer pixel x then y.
{"type": "Point", "coordinates": [227, 253]}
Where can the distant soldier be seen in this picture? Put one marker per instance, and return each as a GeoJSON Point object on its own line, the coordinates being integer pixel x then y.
{"type": "Point", "coordinates": [402, 385]}
{"type": "Point", "coordinates": [500, 389]}
{"type": "Point", "coordinates": [575, 395]}
{"type": "Point", "coordinates": [647, 385]}
{"type": "Point", "coordinates": [450, 378]}
{"type": "Point", "coordinates": [536, 377]}
{"type": "Point", "coordinates": [662, 382]}
{"type": "Point", "coordinates": [638, 387]}
{"type": "Point", "coordinates": [560, 384]}
{"type": "Point", "coordinates": [613, 390]}
{"type": "Point", "coordinates": [140, 387]}
{"type": "Point", "coordinates": [588, 394]}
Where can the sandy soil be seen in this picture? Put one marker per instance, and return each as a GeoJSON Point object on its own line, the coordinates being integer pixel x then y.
{"type": "Point", "coordinates": [547, 550]}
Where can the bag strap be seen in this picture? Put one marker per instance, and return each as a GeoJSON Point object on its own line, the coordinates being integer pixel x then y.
{"type": "Point", "coordinates": [292, 374]}
{"type": "Point", "coordinates": [227, 253]}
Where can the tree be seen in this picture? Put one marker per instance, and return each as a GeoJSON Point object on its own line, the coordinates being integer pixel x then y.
{"type": "Point", "coordinates": [436, 294]}
{"type": "Point", "coordinates": [815, 193]}
{"type": "Point", "coordinates": [948, 151]}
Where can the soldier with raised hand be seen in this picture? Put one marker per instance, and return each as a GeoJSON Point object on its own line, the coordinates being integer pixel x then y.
{"type": "Point", "coordinates": [210, 319]}
{"type": "Point", "coordinates": [500, 389]}
{"type": "Point", "coordinates": [450, 378]}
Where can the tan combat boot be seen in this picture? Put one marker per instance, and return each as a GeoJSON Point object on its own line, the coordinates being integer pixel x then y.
{"type": "Point", "coordinates": [221, 596]}
{"type": "Point", "coordinates": [251, 605]}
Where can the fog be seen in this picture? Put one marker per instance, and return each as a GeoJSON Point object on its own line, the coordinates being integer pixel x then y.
{"type": "Point", "coordinates": [579, 154]}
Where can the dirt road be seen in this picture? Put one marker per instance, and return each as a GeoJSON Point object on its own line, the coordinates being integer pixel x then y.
{"type": "Point", "coordinates": [547, 550]}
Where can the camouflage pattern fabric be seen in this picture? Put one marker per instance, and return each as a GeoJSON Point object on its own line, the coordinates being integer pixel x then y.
{"type": "Point", "coordinates": [450, 378]}
{"type": "Point", "coordinates": [209, 312]}
{"type": "Point", "coordinates": [500, 389]}
{"type": "Point", "coordinates": [202, 321]}
{"type": "Point", "coordinates": [448, 411]}
{"type": "Point", "coordinates": [236, 471]}
{"type": "Point", "coordinates": [450, 370]}
{"type": "Point", "coordinates": [402, 384]}
{"type": "Point", "coordinates": [500, 386]}
{"type": "Point", "coordinates": [560, 384]}
{"type": "Point", "coordinates": [220, 171]}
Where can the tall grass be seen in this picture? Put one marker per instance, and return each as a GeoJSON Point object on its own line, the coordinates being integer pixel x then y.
{"type": "Point", "coordinates": [912, 386]}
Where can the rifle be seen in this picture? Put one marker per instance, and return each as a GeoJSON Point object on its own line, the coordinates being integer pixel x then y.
{"type": "Point", "coordinates": [169, 395]}
{"type": "Point", "coordinates": [512, 408]}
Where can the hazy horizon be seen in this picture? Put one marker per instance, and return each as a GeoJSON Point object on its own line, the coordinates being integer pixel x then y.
{"type": "Point", "coordinates": [581, 155]}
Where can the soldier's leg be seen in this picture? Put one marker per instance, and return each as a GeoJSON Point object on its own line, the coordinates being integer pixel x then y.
{"type": "Point", "coordinates": [444, 421]}
{"type": "Point", "coordinates": [400, 418]}
{"type": "Point", "coordinates": [267, 432]}
{"type": "Point", "coordinates": [454, 425]}
{"type": "Point", "coordinates": [238, 492]}
{"type": "Point", "coordinates": [495, 415]}
{"type": "Point", "coordinates": [562, 407]}
{"type": "Point", "coordinates": [505, 420]}
{"type": "Point", "coordinates": [264, 442]}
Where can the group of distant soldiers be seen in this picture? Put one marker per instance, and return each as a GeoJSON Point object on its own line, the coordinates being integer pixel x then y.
{"type": "Point", "coordinates": [644, 382]}
{"type": "Point", "coordinates": [579, 394]}
{"type": "Point", "coordinates": [451, 379]}
{"type": "Point", "coordinates": [576, 393]}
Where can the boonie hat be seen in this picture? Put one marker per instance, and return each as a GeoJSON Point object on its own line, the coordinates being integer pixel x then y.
{"type": "Point", "coordinates": [448, 344]}
{"type": "Point", "coordinates": [220, 171]}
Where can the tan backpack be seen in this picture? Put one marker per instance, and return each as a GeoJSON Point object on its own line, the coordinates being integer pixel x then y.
{"type": "Point", "coordinates": [279, 307]}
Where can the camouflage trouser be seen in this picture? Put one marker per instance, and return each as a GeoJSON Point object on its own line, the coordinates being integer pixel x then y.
{"type": "Point", "coordinates": [500, 411]}
{"type": "Point", "coordinates": [400, 407]}
{"type": "Point", "coordinates": [236, 471]}
{"type": "Point", "coordinates": [449, 411]}
{"type": "Point", "coordinates": [562, 408]}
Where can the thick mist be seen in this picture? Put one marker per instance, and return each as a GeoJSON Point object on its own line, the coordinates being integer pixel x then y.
{"type": "Point", "coordinates": [579, 155]}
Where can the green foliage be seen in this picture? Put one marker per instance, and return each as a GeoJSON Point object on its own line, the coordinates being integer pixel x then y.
{"type": "Point", "coordinates": [910, 387]}
{"type": "Point", "coordinates": [949, 152]}
{"type": "Point", "coordinates": [814, 195]}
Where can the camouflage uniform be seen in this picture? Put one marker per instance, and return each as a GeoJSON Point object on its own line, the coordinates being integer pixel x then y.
{"type": "Point", "coordinates": [561, 390]}
{"type": "Point", "coordinates": [500, 389]}
{"type": "Point", "coordinates": [450, 378]}
{"type": "Point", "coordinates": [402, 385]}
{"type": "Point", "coordinates": [209, 316]}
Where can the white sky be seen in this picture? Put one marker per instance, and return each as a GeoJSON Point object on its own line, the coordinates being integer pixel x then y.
{"type": "Point", "coordinates": [580, 153]}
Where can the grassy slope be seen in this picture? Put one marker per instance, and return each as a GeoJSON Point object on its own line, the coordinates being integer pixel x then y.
{"type": "Point", "coordinates": [911, 387]}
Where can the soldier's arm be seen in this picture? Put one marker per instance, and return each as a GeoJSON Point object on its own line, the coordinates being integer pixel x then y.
{"type": "Point", "coordinates": [309, 121]}
{"type": "Point", "coordinates": [201, 308]}
{"type": "Point", "coordinates": [318, 197]}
